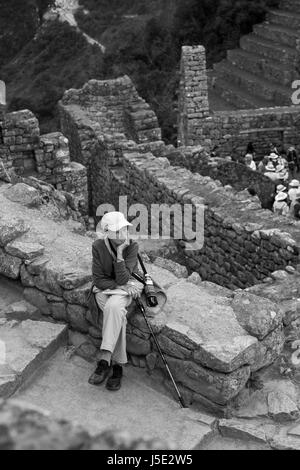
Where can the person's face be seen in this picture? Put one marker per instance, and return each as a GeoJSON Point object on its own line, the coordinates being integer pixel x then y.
{"type": "Point", "coordinates": [118, 237]}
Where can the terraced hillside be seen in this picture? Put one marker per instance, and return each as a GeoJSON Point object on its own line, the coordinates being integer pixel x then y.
{"type": "Point", "coordinates": [260, 73]}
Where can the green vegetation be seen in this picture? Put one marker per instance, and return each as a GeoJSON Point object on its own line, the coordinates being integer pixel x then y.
{"type": "Point", "coordinates": [143, 39]}
{"type": "Point", "coordinates": [60, 58]}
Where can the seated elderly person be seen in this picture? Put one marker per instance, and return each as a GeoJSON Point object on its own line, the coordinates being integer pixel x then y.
{"type": "Point", "coordinates": [115, 258]}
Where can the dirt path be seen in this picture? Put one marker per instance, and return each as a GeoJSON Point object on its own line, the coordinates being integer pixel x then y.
{"type": "Point", "coordinates": [66, 10]}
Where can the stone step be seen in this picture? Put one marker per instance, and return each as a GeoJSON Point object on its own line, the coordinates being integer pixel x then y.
{"type": "Point", "coordinates": [271, 49]}
{"type": "Point", "coordinates": [262, 67]}
{"type": "Point", "coordinates": [236, 96]}
{"type": "Point", "coordinates": [284, 18]}
{"type": "Point", "coordinates": [255, 86]}
{"type": "Point", "coordinates": [279, 34]}
{"type": "Point", "coordinates": [62, 388]}
{"type": "Point", "coordinates": [24, 346]}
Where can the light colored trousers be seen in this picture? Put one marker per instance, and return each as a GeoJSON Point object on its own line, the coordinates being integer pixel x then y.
{"type": "Point", "coordinates": [114, 324]}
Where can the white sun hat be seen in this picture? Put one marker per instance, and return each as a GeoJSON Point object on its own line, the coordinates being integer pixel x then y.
{"type": "Point", "coordinates": [114, 221]}
{"type": "Point", "coordinates": [280, 188]}
{"type": "Point", "coordinates": [281, 197]}
{"type": "Point", "coordinates": [274, 155]}
{"type": "Point", "coordinates": [294, 184]}
{"type": "Point", "coordinates": [270, 167]}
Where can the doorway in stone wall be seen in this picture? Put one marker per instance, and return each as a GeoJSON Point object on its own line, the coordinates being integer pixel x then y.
{"type": "Point", "coordinates": [24, 164]}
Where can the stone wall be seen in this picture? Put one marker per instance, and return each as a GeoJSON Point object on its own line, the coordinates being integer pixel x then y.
{"type": "Point", "coordinates": [228, 131]}
{"type": "Point", "coordinates": [112, 108]}
{"type": "Point", "coordinates": [243, 243]}
{"type": "Point", "coordinates": [229, 172]}
{"type": "Point", "coordinates": [25, 152]}
{"type": "Point", "coordinates": [231, 131]}
{"type": "Point", "coordinates": [55, 167]}
{"type": "Point", "coordinates": [20, 138]}
{"type": "Point", "coordinates": [193, 97]}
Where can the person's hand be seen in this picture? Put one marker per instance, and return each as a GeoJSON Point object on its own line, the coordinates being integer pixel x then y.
{"type": "Point", "coordinates": [121, 248]}
{"type": "Point", "coordinates": [132, 290]}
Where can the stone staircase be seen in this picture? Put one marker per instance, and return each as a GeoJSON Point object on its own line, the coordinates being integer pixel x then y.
{"type": "Point", "coordinates": [260, 73]}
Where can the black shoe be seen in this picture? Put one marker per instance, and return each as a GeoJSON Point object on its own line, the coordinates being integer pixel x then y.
{"type": "Point", "coordinates": [114, 382]}
{"type": "Point", "coordinates": [100, 374]}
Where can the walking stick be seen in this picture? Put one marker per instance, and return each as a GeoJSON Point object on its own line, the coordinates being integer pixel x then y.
{"type": "Point", "coordinates": [142, 309]}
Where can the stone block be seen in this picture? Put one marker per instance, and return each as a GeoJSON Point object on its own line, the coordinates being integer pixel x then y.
{"type": "Point", "coordinates": [216, 386]}
{"type": "Point", "coordinates": [38, 299]}
{"type": "Point", "coordinates": [258, 316]}
{"type": "Point", "coordinates": [26, 279]}
{"type": "Point", "coordinates": [138, 346]}
{"type": "Point", "coordinates": [227, 355]}
{"type": "Point", "coordinates": [59, 311]}
{"type": "Point", "coordinates": [9, 265]}
{"type": "Point", "coordinates": [239, 429]}
{"type": "Point", "coordinates": [70, 281]}
{"type": "Point", "coordinates": [24, 194]}
{"type": "Point", "coordinates": [24, 250]}
{"type": "Point", "coordinates": [77, 318]}
{"type": "Point", "coordinates": [282, 408]}
{"type": "Point", "coordinates": [78, 296]}
{"type": "Point", "coordinates": [11, 228]}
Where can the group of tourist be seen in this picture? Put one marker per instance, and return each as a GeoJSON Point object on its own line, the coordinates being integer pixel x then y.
{"type": "Point", "coordinates": [280, 168]}
{"type": "Point", "coordinates": [277, 166]}
{"type": "Point", "coordinates": [287, 201]}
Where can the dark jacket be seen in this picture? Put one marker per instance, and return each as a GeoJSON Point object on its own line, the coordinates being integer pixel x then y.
{"type": "Point", "coordinates": [108, 273]}
{"type": "Point", "coordinates": [297, 210]}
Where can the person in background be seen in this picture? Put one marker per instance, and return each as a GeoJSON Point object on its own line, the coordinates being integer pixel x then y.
{"type": "Point", "coordinates": [296, 210]}
{"type": "Point", "coordinates": [281, 188]}
{"type": "Point", "coordinates": [292, 194]}
{"type": "Point", "coordinates": [283, 173]}
{"type": "Point", "coordinates": [249, 162]}
{"type": "Point", "coordinates": [273, 149]}
{"type": "Point", "coordinates": [271, 172]}
{"type": "Point", "coordinates": [293, 161]}
{"type": "Point", "coordinates": [250, 149]}
{"type": "Point", "coordinates": [293, 189]}
{"type": "Point", "coordinates": [280, 206]}
{"type": "Point", "coordinates": [274, 157]}
{"type": "Point", "coordinates": [262, 165]}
